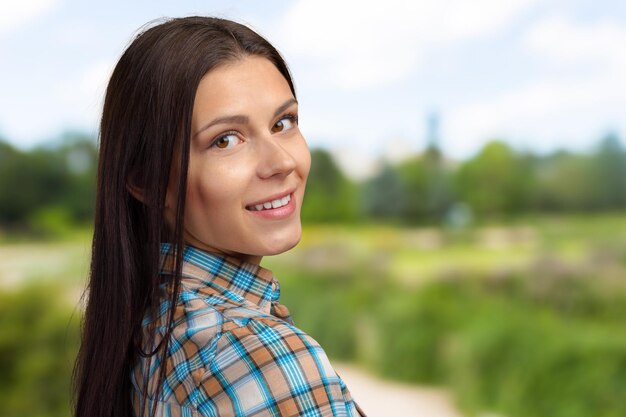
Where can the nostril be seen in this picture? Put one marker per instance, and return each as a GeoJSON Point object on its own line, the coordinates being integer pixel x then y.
{"type": "Point", "coordinates": [275, 160]}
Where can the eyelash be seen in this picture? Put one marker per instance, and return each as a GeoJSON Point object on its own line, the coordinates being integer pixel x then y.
{"type": "Point", "coordinates": [292, 117]}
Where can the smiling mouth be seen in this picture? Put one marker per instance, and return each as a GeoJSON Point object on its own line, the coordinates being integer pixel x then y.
{"type": "Point", "coordinates": [269, 205]}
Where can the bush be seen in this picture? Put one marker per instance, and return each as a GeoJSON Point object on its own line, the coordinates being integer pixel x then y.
{"type": "Point", "coordinates": [38, 344]}
{"type": "Point", "coordinates": [325, 306]}
{"type": "Point", "coordinates": [515, 346]}
{"type": "Point", "coordinates": [520, 363]}
{"type": "Point", "coordinates": [51, 222]}
{"type": "Point", "coordinates": [416, 328]}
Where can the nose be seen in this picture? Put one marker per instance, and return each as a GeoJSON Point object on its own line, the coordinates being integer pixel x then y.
{"type": "Point", "coordinates": [274, 158]}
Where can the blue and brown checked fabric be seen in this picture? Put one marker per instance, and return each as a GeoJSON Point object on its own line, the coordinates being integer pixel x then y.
{"type": "Point", "coordinates": [234, 350]}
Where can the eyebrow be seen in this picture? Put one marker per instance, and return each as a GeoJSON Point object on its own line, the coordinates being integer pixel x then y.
{"type": "Point", "coordinates": [241, 119]}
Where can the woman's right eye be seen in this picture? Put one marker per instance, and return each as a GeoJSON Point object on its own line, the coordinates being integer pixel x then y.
{"type": "Point", "coordinates": [226, 141]}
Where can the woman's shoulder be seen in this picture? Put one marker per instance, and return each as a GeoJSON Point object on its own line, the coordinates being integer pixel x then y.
{"type": "Point", "coordinates": [266, 365]}
{"type": "Point", "coordinates": [207, 320]}
{"type": "Point", "coordinates": [227, 357]}
{"type": "Point", "coordinates": [201, 315]}
{"type": "Point", "coordinates": [201, 319]}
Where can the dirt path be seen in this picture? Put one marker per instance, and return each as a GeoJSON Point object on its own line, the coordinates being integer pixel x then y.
{"type": "Point", "coordinates": [381, 398]}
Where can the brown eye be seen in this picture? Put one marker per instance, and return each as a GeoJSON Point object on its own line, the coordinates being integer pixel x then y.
{"type": "Point", "coordinates": [278, 127]}
{"type": "Point", "coordinates": [226, 141]}
{"type": "Point", "coordinates": [285, 123]}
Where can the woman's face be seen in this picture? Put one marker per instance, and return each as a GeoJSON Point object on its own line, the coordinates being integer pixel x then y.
{"type": "Point", "coordinates": [248, 163]}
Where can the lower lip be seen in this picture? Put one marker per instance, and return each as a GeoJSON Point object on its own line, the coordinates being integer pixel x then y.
{"type": "Point", "coordinates": [277, 213]}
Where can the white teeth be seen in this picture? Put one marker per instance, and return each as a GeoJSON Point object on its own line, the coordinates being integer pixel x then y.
{"type": "Point", "coordinates": [279, 202]}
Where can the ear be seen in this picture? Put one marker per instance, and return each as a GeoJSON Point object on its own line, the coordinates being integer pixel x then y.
{"type": "Point", "coordinates": [133, 187]}
{"type": "Point", "coordinates": [139, 194]}
{"type": "Point", "coordinates": [136, 192]}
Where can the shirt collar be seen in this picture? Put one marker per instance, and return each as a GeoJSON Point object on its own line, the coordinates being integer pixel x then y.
{"type": "Point", "coordinates": [237, 279]}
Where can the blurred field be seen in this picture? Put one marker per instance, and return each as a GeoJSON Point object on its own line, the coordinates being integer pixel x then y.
{"type": "Point", "coordinates": [517, 319]}
{"type": "Point", "coordinates": [64, 262]}
{"type": "Point", "coordinates": [416, 255]}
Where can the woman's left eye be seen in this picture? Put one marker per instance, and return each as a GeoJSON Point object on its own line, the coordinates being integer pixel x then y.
{"type": "Point", "coordinates": [286, 123]}
{"type": "Point", "coordinates": [226, 141]}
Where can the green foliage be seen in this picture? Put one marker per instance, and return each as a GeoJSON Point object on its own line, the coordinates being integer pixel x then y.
{"type": "Point", "coordinates": [79, 195]}
{"type": "Point", "coordinates": [418, 190]}
{"type": "Point", "coordinates": [609, 175]}
{"type": "Point", "coordinates": [497, 181]}
{"type": "Point", "coordinates": [564, 182]}
{"type": "Point", "coordinates": [59, 179]}
{"type": "Point", "coordinates": [521, 344]}
{"type": "Point", "coordinates": [519, 361]}
{"type": "Point", "coordinates": [38, 343]}
{"type": "Point", "coordinates": [50, 222]}
{"type": "Point", "coordinates": [385, 196]}
{"type": "Point", "coordinates": [415, 328]}
{"type": "Point", "coordinates": [315, 300]}
{"type": "Point", "coordinates": [503, 349]}
{"type": "Point", "coordinates": [543, 340]}
{"type": "Point", "coordinates": [428, 186]}
{"type": "Point", "coordinates": [27, 181]}
{"type": "Point", "coordinates": [330, 196]}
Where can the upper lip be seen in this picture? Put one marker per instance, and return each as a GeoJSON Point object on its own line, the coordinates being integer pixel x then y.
{"type": "Point", "coordinates": [272, 198]}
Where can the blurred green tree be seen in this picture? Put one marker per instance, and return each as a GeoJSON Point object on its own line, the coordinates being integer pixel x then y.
{"type": "Point", "coordinates": [497, 181]}
{"type": "Point", "coordinates": [58, 178]}
{"type": "Point", "coordinates": [608, 174]}
{"type": "Point", "coordinates": [330, 196]}
{"type": "Point", "coordinates": [385, 196]}
{"type": "Point", "coordinates": [564, 182]}
{"type": "Point", "coordinates": [28, 181]}
{"type": "Point", "coordinates": [427, 183]}
{"type": "Point", "coordinates": [38, 344]}
{"type": "Point", "coordinates": [80, 156]}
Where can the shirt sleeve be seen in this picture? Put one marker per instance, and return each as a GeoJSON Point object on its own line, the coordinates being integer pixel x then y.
{"type": "Point", "coordinates": [267, 367]}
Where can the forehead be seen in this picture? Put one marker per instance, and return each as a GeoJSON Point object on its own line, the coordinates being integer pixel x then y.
{"type": "Point", "coordinates": [246, 82]}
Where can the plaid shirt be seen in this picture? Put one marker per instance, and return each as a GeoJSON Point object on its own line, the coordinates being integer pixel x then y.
{"type": "Point", "coordinates": [234, 350]}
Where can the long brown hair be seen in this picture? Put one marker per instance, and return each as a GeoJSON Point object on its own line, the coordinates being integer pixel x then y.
{"type": "Point", "coordinates": [145, 121]}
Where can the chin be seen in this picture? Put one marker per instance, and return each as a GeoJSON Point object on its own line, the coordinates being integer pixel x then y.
{"type": "Point", "coordinates": [282, 244]}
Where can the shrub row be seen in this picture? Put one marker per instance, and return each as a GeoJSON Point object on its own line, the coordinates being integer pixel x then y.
{"type": "Point", "coordinates": [38, 344]}
{"type": "Point", "coordinates": [502, 346]}
{"type": "Point", "coordinates": [515, 346]}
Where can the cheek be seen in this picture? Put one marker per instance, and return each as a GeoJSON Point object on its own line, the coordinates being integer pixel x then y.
{"type": "Point", "coordinates": [206, 198]}
{"type": "Point", "coordinates": [216, 188]}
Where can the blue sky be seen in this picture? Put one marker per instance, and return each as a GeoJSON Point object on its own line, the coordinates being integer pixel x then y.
{"type": "Point", "coordinates": [540, 74]}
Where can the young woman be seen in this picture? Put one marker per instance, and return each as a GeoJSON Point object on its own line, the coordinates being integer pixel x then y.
{"type": "Point", "coordinates": [202, 173]}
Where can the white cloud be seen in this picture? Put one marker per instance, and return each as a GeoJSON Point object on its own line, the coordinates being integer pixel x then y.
{"type": "Point", "coordinates": [73, 101]}
{"type": "Point", "coordinates": [476, 18]}
{"type": "Point", "coordinates": [14, 14]}
{"type": "Point", "coordinates": [94, 79]}
{"type": "Point", "coordinates": [577, 105]}
{"type": "Point", "coordinates": [565, 42]}
{"type": "Point", "coordinates": [534, 111]}
{"type": "Point", "coordinates": [359, 43]}
{"type": "Point", "coordinates": [84, 105]}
